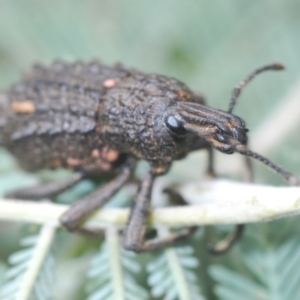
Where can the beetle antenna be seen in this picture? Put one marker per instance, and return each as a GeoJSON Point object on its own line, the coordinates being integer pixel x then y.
{"type": "Point", "coordinates": [292, 179]}
{"type": "Point", "coordinates": [238, 89]}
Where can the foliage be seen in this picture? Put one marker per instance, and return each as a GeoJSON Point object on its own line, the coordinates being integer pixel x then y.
{"type": "Point", "coordinates": [171, 274]}
{"type": "Point", "coordinates": [272, 272]}
{"type": "Point", "coordinates": [111, 273]}
{"type": "Point", "coordinates": [31, 274]}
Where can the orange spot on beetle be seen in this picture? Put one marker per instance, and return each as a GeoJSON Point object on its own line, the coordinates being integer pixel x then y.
{"type": "Point", "coordinates": [24, 107]}
{"type": "Point", "coordinates": [95, 153]}
{"type": "Point", "coordinates": [109, 83]}
{"type": "Point", "coordinates": [74, 162]}
{"type": "Point", "coordinates": [109, 154]}
{"type": "Point", "coordinates": [183, 95]}
{"type": "Point", "coordinates": [103, 165]}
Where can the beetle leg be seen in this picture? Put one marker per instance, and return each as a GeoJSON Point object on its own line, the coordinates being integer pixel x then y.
{"type": "Point", "coordinates": [226, 244]}
{"type": "Point", "coordinates": [210, 168]}
{"type": "Point", "coordinates": [174, 197]}
{"type": "Point", "coordinates": [249, 175]}
{"type": "Point", "coordinates": [134, 237]}
{"type": "Point", "coordinates": [45, 190]}
{"type": "Point", "coordinates": [80, 210]}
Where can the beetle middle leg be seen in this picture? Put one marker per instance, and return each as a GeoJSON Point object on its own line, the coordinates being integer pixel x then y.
{"type": "Point", "coordinates": [80, 210]}
{"type": "Point", "coordinates": [134, 238]}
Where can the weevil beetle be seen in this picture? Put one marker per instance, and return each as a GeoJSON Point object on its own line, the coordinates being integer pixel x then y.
{"type": "Point", "coordinates": [93, 119]}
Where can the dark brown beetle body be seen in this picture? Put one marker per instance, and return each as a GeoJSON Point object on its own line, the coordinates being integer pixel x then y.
{"type": "Point", "coordinates": [83, 116]}
{"type": "Point", "coordinates": [93, 119]}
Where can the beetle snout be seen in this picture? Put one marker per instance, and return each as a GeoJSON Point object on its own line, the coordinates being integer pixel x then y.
{"type": "Point", "coordinates": [240, 134]}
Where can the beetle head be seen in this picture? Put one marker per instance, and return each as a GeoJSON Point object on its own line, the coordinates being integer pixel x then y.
{"type": "Point", "coordinates": [222, 130]}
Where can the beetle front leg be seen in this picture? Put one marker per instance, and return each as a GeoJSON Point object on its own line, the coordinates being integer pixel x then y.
{"type": "Point", "coordinates": [134, 238]}
{"type": "Point", "coordinates": [210, 167]}
{"type": "Point", "coordinates": [80, 210]}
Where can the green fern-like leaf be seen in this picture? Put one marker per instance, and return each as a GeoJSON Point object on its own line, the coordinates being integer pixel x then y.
{"type": "Point", "coordinates": [172, 276]}
{"type": "Point", "coordinates": [31, 272]}
{"type": "Point", "coordinates": [274, 275]}
{"type": "Point", "coordinates": [111, 273]}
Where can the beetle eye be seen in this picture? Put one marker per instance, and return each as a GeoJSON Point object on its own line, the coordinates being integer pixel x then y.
{"type": "Point", "coordinates": [220, 138]}
{"type": "Point", "coordinates": [175, 125]}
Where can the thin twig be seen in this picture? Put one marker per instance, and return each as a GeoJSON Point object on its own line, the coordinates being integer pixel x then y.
{"type": "Point", "coordinates": [43, 245]}
{"type": "Point", "coordinates": [114, 250]}
{"type": "Point", "coordinates": [249, 203]}
{"type": "Point", "coordinates": [177, 271]}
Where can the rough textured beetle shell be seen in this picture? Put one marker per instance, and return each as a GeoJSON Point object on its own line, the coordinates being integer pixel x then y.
{"type": "Point", "coordinates": [83, 115]}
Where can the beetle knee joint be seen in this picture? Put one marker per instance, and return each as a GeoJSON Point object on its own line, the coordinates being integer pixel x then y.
{"type": "Point", "coordinates": [131, 246]}
{"type": "Point", "coordinates": [67, 222]}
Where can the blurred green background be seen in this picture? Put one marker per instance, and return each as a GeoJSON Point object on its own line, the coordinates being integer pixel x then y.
{"type": "Point", "coordinates": [209, 45]}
